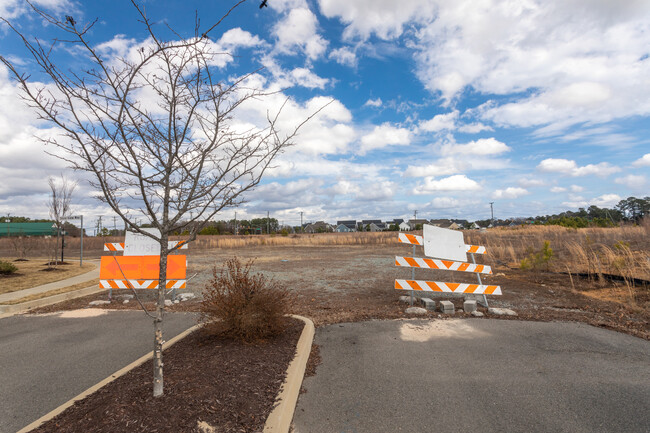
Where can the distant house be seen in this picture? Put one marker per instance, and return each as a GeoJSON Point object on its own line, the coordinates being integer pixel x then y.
{"type": "Point", "coordinates": [445, 224]}
{"type": "Point", "coordinates": [346, 226]}
{"type": "Point", "coordinates": [474, 226]}
{"type": "Point", "coordinates": [318, 227]}
{"type": "Point", "coordinates": [415, 222]}
{"type": "Point", "coordinates": [404, 227]}
{"type": "Point", "coordinates": [377, 227]}
{"type": "Point", "coordinates": [363, 224]}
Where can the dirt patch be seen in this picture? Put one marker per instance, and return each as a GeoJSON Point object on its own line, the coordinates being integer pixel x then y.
{"type": "Point", "coordinates": [335, 284]}
{"type": "Point", "coordinates": [220, 383]}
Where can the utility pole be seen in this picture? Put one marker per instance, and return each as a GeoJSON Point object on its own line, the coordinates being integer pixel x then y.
{"type": "Point", "coordinates": [492, 212]}
{"type": "Point", "coordinates": [301, 222]}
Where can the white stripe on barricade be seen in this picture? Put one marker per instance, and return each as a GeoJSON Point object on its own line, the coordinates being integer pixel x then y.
{"type": "Point", "coordinates": [437, 286]}
{"type": "Point", "coordinates": [416, 262]}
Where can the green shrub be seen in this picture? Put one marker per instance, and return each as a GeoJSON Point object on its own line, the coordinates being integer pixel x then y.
{"type": "Point", "coordinates": [244, 306]}
{"type": "Point", "coordinates": [539, 259]}
{"type": "Point", "coordinates": [7, 268]}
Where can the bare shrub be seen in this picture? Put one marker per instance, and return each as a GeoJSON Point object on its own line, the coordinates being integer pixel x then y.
{"type": "Point", "coordinates": [244, 306]}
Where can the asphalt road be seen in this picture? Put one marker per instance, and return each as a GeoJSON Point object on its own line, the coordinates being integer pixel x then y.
{"type": "Point", "coordinates": [46, 360]}
{"type": "Point", "coordinates": [476, 376]}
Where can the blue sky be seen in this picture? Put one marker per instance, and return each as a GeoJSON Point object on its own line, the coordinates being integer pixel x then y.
{"type": "Point", "coordinates": [440, 107]}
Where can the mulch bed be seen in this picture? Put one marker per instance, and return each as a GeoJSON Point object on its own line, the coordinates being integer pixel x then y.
{"type": "Point", "coordinates": [229, 385]}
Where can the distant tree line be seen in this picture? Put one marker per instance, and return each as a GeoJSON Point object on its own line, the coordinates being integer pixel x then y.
{"type": "Point", "coordinates": [631, 209]}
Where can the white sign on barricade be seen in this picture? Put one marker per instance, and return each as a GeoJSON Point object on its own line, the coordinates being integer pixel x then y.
{"type": "Point", "coordinates": [137, 244]}
{"type": "Point", "coordinates": [449, 252]}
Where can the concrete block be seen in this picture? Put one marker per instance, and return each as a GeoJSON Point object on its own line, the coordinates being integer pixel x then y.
{"type": "Point", "coordinates": [447, 307]}
{"type": "Point", "coordinates": [428, 303]}
{"type": "Point", "coordinates": [469, 305]}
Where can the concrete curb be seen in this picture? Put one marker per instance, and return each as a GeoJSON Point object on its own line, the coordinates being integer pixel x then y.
{"type": "Point", "coordinates": [10, 310]}
{"type": "Point", "coordinates": [106, 381]}
{"type": "Point", "coordinates": [279, 420]}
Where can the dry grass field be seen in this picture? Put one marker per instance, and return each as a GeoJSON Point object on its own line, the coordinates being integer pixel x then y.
{"type": "Point", "coordinates": [597, 276]}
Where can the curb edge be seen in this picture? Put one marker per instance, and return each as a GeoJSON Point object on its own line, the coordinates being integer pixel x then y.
{"type": "Point", "coordinates": [279, 420]}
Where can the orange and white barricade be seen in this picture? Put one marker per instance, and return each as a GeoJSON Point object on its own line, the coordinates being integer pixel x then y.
{"type": "Point", "coordinates": [447, 251]}
{"type": "Point", "coordinates": [139, 266]}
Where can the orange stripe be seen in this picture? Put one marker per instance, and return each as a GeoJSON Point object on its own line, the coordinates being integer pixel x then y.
{"type": "Point", "coordinates": [463, 266]}
{"type": "Point", "coordinates": [453, 286]}
{"type": "Point", "coordinates": [431, 263]}
{"type": "Point", "coordinates": [433, 286]}
{"type": "Point", "coordinates": [411, 262]}
{"type": "Point", "coordinates": [490, 289]}
{"type": "Point", "coordinates": [471, 288]}
{"type": "Point", "coordinates": [152, 285]}
{"type": "Point", "coordinates": [447, 263]}
{"type": "Point", "coordinates": [182, 286]}
{"type": "Point", "coordinates": [413, 285]}
{"type": "Point", "coordinates": [479, 268]}
{"type": "Point", "coordinates": [110, 247]}
{"type": "Point", "coordinates": [112, 284]}
{"type": "Point", "coordinates": [472, 249]}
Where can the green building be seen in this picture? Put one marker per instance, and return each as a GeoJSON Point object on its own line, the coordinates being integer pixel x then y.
{"type": "Point", "coordinates": [27, 229]}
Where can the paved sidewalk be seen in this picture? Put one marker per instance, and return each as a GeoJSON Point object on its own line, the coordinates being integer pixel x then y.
{"type": "Point", "coordinates": [88, 276]}
{"type": "Point", "coordinates": [476, 375]}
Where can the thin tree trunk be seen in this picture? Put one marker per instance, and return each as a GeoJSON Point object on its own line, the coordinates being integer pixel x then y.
{"type": "Point", "coordinates": [158, 321]}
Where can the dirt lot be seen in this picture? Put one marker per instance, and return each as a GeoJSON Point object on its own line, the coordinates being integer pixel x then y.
{"type": "Point", "coordinates": [348, 283]}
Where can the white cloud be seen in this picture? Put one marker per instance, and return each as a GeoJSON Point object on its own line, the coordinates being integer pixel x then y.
{"type": "Point", "coordinates": [441, 167]}
{"type": "Point", "coordinates": [385, 18]}
{"type": "Point", "coordinates": [373, 103]}
{"type": "Point", "coordinates": [631, 180]}
{"type": "Point", "coordinates": [509, 193]}
{"type": "Point", "coordinates": [306, 78]}
{"type": "Point", "coordinates": [569, 63]}
{"type": "Point", "coordinates": [10, 9]}
{"type": "Point", "coordinates": [445, 203]}
{"type": "Point", "coordinates": [299, 30]}
{"type": "Point", "coordinates": [480, 147]}
{"type": "Point", "coordinates": [570, 168]}
{"type": "Point", "coordinates": [577, 188]}
{"type": "Point", "coordinates": [458, 182]}
{"type": "Point", "coordinates": [474, 128]}
{"type": "Point", "coordinates": [236, 37]}
{"type": "Point", "coordinates": [605, 200]}
{"type": "Point", "coordinates": [344, 56]}
{"type": "Point", "coordinates": [644, 161]}
{"type": "Point", "coordinates": [384, 135]}
{"type": "Point", "coordinates": [557, 189]}
{"type": "Point", "coordinates": [441, 122]}
{"type": "Point", "coordinates": [529, 182]}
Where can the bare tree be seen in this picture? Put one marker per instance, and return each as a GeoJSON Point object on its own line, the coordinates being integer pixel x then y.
{"type": "Point", "coordinates": [59, 205]}
{"type": "Point", "coordinates": [155, 131]}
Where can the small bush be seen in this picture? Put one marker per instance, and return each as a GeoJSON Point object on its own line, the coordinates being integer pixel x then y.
{"type": "Point", "coordinates": [539, 259]}
{"type": "Point", "coordinates": [244, 306]}
{"type": "Point", "coordinates": [7, 268]}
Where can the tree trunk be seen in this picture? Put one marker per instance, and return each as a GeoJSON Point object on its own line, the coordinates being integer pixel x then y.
{"type": "Point", "coordinates": [158, 321]}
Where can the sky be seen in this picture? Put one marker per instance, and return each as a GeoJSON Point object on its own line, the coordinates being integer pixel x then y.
{"type": "Point", "coordinates": [439, 107]}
